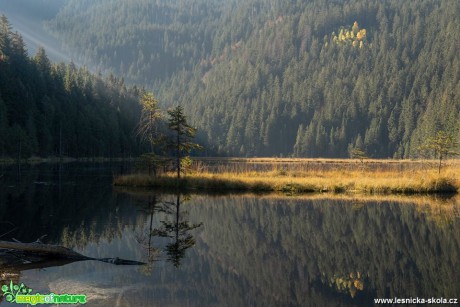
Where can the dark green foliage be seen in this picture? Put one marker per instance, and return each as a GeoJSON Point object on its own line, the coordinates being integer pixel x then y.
{"type": "Point", "coordinates": [180, 141]}
{"type": "Point", "coordinates": [55, 110]}
{"type": "Point", "coordinates": [264, 78]}
{"type": "Point", "coordinates": [304, 95]}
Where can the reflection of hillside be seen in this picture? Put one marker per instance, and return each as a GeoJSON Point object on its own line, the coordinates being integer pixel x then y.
{"type": "Point", "coordinates": [282, 245]}
{"type": "Point", "coordinates": [443, 209]}
{"type": "Point", "coordinates": [268, 250]}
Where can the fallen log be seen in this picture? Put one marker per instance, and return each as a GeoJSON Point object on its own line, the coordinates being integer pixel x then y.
{"type": "Point", "coordinates": [16, 265]}
{"type": "Point", "coordinates": [39, 253]}
{"type": "Point", "coordinates": [50, 249]}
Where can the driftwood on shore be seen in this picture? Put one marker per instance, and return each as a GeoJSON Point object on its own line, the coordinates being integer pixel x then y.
{"type": "Point", "coordinates": [24, 256]}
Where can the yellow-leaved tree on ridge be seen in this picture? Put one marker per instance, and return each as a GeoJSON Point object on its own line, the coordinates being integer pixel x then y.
{"type": "Point", "coordinates": [354, 36]}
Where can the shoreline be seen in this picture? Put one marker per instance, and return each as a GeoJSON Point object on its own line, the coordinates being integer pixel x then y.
{"type": "Point", "coordinates": [336, 182]}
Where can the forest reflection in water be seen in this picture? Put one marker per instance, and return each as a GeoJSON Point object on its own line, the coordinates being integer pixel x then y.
{"type": "Point", "coordinates": [235, 249]}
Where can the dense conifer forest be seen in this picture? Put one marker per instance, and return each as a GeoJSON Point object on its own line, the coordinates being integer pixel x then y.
{"type": "Point", "coordinates": [60, 110]}
{"type": "Point", "coordinates": [280, 77]}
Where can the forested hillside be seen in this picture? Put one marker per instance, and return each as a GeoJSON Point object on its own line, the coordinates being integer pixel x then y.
{"type": "Point", "coordinates": [291, 89]}
{"type": "Point", "coordinates": [282, 77]}
{"type": "Point", "coordinates": [58, 109]}
{"type": "Point", "coordinates": [142, 40]}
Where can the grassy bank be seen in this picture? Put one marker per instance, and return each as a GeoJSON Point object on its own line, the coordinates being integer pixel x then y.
{"type": "Point", "coordinates": [369, 181]}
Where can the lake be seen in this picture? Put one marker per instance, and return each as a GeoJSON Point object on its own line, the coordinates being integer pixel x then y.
{"type": "Point", "coordinates": [227, 250]}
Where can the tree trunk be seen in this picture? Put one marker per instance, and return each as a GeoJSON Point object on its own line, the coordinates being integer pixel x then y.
{"type": "Point", "coordinates": [440, 161]}
{"type": "Point", "coordinates": [178, 155]}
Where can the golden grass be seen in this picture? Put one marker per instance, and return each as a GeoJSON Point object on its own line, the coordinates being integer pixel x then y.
{"type": "Point", "coordinates": [421, 180]}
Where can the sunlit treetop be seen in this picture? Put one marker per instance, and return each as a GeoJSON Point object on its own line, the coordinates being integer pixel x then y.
{"type": "Point", "coordinates": [354, 36]}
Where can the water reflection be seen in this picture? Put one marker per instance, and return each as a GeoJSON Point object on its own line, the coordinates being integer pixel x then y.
{"type": "Point", "coordinates": [151, 206]}
{"type": "Point", "coordinates": [238, 249]}
{"type": "Point", "coordinates": [173, 226]}
{"type": "Point", "coordinates": [178, 229]}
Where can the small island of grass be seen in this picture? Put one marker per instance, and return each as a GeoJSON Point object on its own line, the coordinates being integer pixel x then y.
{"type": "Point", "coordinates": [298, 176]}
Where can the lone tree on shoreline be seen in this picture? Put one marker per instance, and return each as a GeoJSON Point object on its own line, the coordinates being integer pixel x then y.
{"type": "Point", "coordinates": [183, 133]}
{"type": "Point", "coordinates": [358, 153]}
{"type": "Point", "coordinates": [442, 145]}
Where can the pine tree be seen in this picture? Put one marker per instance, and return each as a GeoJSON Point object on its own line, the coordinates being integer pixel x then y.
{"type": "Point", "coordinates": [180, 141]}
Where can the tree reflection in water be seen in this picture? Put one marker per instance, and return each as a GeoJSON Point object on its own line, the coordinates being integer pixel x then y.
{"type": "Point", "coordinates": [173, 226]}
{"type": "Point", "coordinates": [150, 207]}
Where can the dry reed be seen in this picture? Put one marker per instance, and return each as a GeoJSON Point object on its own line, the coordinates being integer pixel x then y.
{"type": "Point", "coordinates": [299, 176]}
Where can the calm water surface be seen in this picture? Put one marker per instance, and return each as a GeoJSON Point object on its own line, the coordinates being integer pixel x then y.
{"type": "Point", "coordinates": [234, 250]}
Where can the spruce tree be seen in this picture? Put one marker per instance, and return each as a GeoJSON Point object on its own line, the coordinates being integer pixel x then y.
{"type": "Point", "coordinates": [180, 142]}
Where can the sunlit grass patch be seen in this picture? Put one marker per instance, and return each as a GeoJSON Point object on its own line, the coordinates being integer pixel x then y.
{"type": "Point", "coordinates": [299, 181]}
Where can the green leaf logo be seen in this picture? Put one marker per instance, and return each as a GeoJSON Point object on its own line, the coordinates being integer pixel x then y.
{"type": "Point", "coordinates": [9, 298]}
{"type": "Point", "coordinates": [10, 292]}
